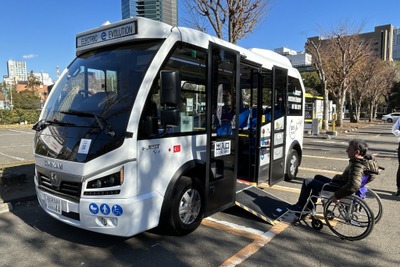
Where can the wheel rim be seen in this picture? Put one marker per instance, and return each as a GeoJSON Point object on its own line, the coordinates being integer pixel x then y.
{"type": "Point", "coordinates": [189, 206]}
{"type": "Point", "coordinates": [293, 165]}
{"type": "Point", "coordinates": [352, 219]}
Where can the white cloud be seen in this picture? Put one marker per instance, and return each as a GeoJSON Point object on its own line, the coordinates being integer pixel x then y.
{"type": "Point", "coordinates": [30, 56]}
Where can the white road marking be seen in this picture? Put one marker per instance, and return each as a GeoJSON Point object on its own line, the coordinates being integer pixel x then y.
{"type": "Point", "coordinates": [9, 156]}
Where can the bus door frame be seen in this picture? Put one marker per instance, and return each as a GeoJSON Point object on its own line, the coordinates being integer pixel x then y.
{"type": "Point", "coordinates": [278, 130]}
{"type": "Point", "coordinates": [251, 135]}
{"type": "Point", "coordinates": [221, 168]}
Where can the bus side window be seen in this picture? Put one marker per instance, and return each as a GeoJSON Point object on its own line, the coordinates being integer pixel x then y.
{"type": "Point", "coordinates": [193, 107]}
{"type": "Point", "coordinates": [149, 121]}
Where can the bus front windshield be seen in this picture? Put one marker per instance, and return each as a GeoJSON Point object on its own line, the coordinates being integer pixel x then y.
{"type": "Point", "coordinates": [93, 101]}
{"type": "Point", "coordinates": [103, 83]}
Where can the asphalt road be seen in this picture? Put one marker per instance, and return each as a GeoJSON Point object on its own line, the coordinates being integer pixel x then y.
{"type": "Point", "coordinates": [29, 237]}
{"type": "Point", "coordinates": [16, 145]}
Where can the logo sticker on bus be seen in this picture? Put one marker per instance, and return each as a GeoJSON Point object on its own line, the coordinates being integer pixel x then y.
{"type": "Point", "coordinates": [177, 149]}
{"type": "Point", "coordinates": [105, 209]}
{"type": "Point", "coordinates": [93, 208]}
{"type": "Point", "coordinates": [117, 210]}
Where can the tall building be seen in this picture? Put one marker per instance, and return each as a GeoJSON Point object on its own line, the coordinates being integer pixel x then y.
{"type": "Point", "coordinates": [381, 39]}
{"type": "Point", "coordinates": [17, 69]}
{"type": "Point", "coordinates": [161, 10]}
{"type": "Point", "coordinates": [128, 8]}
{"type": "Point", "coordinates": [396, 44]}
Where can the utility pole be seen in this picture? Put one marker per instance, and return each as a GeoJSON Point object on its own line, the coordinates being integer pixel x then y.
{"type": "Point", "coordinates": [11, 97]}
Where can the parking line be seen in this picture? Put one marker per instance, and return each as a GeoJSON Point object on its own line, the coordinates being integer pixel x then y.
{"type": "Point", "coordinates": [260, 239]}
{"type": "Point", "coordinates": [9, 156]}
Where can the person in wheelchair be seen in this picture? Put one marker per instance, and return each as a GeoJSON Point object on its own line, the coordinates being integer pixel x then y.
{"type": "Point", "coordinates": [344, 184]}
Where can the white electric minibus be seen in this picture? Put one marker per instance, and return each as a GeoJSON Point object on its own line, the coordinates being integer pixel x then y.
{"type": "Point", "coordinates": [153, 125]}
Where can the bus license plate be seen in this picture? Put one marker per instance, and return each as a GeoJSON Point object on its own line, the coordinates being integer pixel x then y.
{"type": "Point", "coordinates": [53, 204]}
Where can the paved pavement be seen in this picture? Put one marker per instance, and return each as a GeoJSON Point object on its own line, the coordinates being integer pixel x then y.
{"type": "Point", "coordinates": [16, 184]}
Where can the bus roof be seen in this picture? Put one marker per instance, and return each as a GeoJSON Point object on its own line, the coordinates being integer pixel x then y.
{"type": "Point", "coordinates": [129, 29]}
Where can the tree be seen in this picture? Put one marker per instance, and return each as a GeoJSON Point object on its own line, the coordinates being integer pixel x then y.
{"type": "Point", "coordinates": [312, 82]}
{"type": "Point", "coordinates": [33, 82]}
{"type": "Point", "coordinates": [343, 51]}
{"type": "Point", "coordinates": [26, 99]}
{"type": "Point", "coordinates": [230, 19]}
{"type": "Point", "coordinates": [313, 47]}
{"type": "Point", "coordinates": [393, 98]}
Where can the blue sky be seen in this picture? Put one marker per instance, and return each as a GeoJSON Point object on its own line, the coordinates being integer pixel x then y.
{"type": "Point", "coordinates": [42, 32]}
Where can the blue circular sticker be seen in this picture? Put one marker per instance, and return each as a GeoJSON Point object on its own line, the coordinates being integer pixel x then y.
{"type": "Point", "coordinates": [117, 210]}
{"type": "Point", "coordinates": [93, 208]}
{"type": "Point", "coordinates": [105, 209]}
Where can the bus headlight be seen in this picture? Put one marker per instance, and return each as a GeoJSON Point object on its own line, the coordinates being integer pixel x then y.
{"type": "Point", "coordinates": [107, 181]}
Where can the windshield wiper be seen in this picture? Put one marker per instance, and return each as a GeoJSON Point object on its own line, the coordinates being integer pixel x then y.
{"type": "Point", "coordinates": [100, 120]}
{"type": "Point", "coordinates": [42, 124]}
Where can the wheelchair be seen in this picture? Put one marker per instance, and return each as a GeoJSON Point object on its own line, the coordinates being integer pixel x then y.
{"type": "Point", "coordinates": [351, 218]}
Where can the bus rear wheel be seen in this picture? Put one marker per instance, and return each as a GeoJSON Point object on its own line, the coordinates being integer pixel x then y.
{"type": "Point", "coordinates": [187, 209]}
{"type": "Point", "coordinates": [292, 165]}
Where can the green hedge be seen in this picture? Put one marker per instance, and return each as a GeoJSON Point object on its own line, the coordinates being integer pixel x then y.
{"type": "Point", "coordinates": [19, 115]}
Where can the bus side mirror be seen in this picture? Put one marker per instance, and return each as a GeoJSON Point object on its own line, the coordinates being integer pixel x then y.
{"type": "Point", "coordinates": [170, 88]}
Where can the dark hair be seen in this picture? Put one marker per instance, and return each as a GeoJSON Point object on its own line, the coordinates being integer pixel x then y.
{"type": "Point", "coordinates": [359, 144]}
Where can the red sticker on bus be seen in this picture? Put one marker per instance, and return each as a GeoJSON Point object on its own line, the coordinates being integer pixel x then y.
{"type": "Point", "coordinates": [177, 148]}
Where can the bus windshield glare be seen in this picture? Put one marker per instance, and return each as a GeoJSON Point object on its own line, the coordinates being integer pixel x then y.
{"type": "Point", "coordinates": [101, 82]}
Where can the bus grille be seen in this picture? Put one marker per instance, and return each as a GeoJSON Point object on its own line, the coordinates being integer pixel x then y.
{"type": "Point", "coordinates": [72, 189]}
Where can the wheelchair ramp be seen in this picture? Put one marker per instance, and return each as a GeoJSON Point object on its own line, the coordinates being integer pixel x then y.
{"type": "Point", "coordinates": [260, 203]}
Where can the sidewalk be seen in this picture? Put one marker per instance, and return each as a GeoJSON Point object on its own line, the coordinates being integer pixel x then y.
{"type": "Point", "coordinates": [16, 184]}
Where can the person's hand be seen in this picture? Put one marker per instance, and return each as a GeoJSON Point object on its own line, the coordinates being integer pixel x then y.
{"type": "Point", "coordinates": [335, 200]}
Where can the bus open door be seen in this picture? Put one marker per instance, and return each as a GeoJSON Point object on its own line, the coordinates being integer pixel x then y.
{"type": "Point", "coordinates": [221, 134]}
{"type": "Point", "coordinates": [261, 123]}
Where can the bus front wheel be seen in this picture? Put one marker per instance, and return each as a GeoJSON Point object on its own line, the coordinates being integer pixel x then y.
{"type": "Point", "coordinates": [187, 208]}
{"type": "Point", "coordinates": [292, 165]}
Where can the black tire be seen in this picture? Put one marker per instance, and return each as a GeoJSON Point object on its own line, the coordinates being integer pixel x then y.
{"type": "Point", "coordinates": [292, 165]}
{"type": "Point", "coordinates": [187, 206]}
{"type": "Point", "coordinates": [389, 120]}
{"type": "Point", "coordinates": [374, 202]}
{"type": "Point", "coordinates": [317, 224]}
{"type": "Point", "coordinates": [352, 218]}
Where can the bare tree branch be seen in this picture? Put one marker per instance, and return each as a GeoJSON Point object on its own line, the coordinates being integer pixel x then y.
{"type": "Point", "coordinates": [230, 19]}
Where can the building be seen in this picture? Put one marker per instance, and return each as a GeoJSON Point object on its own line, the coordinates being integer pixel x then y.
{"type": "Point", "coordinates": [296, 58]}
{"type": "Point", "coordinates": [161, 10]}
{"type": "Point", "coordinates": [382, 40]}
{"type": "Point", "coordinates": [396, 44]}
{"type": "Point", "coordinates": [128, 8]}
{"type": "Point", "coordinates": [44, 78]}
{"type": "Point", "coordinates": [16, 72]}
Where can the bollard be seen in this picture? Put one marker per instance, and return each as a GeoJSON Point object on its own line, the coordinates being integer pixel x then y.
{"type": "Point", "coordinates": [334, 122]}
{"type": "Point", "coordinates": [315, 126]}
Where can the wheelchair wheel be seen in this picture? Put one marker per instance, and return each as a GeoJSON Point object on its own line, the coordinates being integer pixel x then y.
{"type": "Point", "coordinates": [374, 202]}
{"type": "Point", "coordinates": [350, 218]}
{"type": "Point", "coordinates": [317, 224]}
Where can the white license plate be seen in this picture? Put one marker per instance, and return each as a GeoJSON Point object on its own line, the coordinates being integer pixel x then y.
{"type": "Point", "coordinates": [53, 204]}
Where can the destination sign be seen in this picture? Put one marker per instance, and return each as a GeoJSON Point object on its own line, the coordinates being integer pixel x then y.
{"type": "Point", "coordinates": [107, 35]}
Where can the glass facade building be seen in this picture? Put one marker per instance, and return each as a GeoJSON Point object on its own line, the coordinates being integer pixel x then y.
{"type": "Point", "coordinates": [128, 8]}
{"type": "Point", "coordinates": [396, 44]}
{"type": "Point", "coordinates": [161, 10]}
